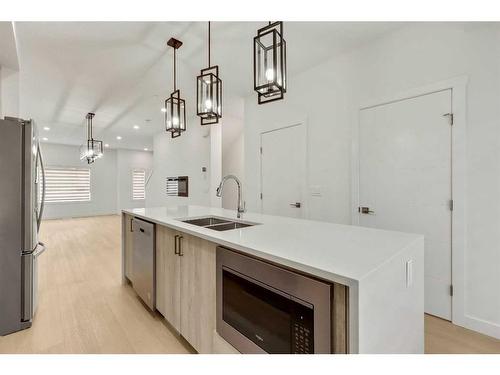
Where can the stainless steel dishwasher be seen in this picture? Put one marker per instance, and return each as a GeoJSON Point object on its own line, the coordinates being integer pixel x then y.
{"type": "Point", "coordinates": [143, 261]}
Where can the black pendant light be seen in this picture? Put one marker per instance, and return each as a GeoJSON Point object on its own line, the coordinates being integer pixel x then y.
{"type": "Point", "coordinates": [269, 63]}
{"type": "Point", "coordinates": [93, 149]}
{"type": "Point", "coordinates": [175, 106]}
{"type": "Point", "coordinates": [209, 92]}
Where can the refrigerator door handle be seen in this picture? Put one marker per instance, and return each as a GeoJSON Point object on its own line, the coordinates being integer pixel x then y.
{"type": "Point", "coordinates": [39, 249]}
{"type": "Point", "coordinates": [42, 203]}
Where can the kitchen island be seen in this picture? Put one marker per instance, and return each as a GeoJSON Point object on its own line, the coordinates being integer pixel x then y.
{"type": "Point", "coordinates": [382, 272]}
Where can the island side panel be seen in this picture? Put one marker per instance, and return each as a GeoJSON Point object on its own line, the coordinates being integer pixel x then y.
{"type": "Point", "coordinates": [127, 247]}
{"type": "Point", "coordinates": [340, 321]}
{"type": "Point", "coordinates": [391, 310]}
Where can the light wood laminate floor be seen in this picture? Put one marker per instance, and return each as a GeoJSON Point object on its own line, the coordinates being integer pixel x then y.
{"type": "Point", "coordinates": [84, 308]}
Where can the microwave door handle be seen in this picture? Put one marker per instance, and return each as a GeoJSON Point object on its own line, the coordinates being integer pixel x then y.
{"type": "Point", "coordinates": [42, 203]}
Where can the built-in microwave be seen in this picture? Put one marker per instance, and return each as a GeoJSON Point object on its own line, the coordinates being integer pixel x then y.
{"type": "Point", "coordinates": [262, 308]}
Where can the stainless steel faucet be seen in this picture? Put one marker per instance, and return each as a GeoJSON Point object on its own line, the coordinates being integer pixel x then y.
{"type": "Point", "coordinates": [241, 204]}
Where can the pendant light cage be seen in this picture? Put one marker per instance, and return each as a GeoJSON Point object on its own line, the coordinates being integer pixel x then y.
{"type": "Point", "coordinates": [209, 92]}
{"type": "Point", "coordinates": [269, 63]}
{"type": "Point", "coordinates": [175, 115]}
{"type": "Point", "coordinates": [93, 149]}
{"type": "Point", "coordinates": [175, 106]}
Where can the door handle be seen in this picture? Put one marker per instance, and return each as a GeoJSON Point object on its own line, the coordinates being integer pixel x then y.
{"type": "Point", "coordinates": [296, 204]}
{"type": "Point", "coordinates": [181, 253]}
{"type": "Point", "coordinates": [42, 203]}
{"type": "Point", "coordinates": [365, 210]}
{"type": "Point", "coordinates": [175, 244]}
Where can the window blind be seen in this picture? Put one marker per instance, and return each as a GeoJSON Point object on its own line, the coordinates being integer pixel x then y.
{"type": "Point", "coordinates": [172, 186]}
{"type": "Point", "coordinates": [67, 184]}
{"type": "Point", "coordinates": [138, 184]}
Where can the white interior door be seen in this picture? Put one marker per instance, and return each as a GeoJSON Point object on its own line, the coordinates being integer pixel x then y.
{"type": "Point", "coordinates": [283, 163]}
{"type": "Point", "coordinates": [405, 179]}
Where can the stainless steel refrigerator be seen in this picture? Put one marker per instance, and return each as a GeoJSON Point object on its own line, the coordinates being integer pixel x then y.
{"type": "Point", "coordinates": [22, 194]}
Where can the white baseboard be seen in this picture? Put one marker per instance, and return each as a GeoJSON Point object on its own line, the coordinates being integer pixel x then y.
{"type": "Point", "coordinates": [482, 326]}
{"type": "Point", "coordinates": [63, 217]}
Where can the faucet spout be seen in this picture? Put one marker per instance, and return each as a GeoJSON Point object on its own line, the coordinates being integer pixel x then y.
{"type": "Point", "coordinates": [241, 204]}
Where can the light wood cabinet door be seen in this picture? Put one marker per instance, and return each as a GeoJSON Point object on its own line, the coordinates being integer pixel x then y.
{"type": "Point", "coordinates": [198, 272]}
{"type": "Point", "coordinates": [167, 276]}
{"type": "Point", "coordinates": [129, 245]}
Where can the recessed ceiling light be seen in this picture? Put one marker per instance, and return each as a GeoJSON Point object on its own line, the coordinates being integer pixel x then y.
{"type": "Point", "coordinates": [145, 149]}
{"type": "Point", "coordinates": [46, 128]}
{"type": "Point", "coordinates": [45, 139]}
{"type": "Point", "coordinates": [164, 110]}
{"type": "Point", "coordinates": [106, 145]}
{"type": "Point", "coordinates": [118, 137]}
{"type": "Point", "coordinates": [136, 127]}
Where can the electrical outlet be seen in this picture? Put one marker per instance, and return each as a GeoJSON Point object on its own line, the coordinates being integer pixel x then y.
{"type": "Point", "coordinates": [316, 191]}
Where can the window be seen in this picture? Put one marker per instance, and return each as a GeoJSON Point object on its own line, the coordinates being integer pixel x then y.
{"type": "Point", "coordinates": [67, 184]}
{"type": "Point", "coordinates": [138, 184]}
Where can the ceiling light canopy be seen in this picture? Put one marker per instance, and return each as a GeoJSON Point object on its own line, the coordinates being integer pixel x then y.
{"type": "Point", "coordinates": [175, 114]}
{"type": "Point", "coordinates": [93, 149]}
{"type": "Point", "coordinates": [209, 92]}
{"type": "Point", "coordinates": [269, 63]}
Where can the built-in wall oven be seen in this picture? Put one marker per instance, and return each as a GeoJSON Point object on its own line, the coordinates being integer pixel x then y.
{"type": "Point", "coordinates": [262, 308]}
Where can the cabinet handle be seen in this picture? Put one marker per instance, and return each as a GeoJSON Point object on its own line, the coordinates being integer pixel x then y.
{"type": "Point", "coordinates": [181, 253]}
{"type": "Point", "coordinates": [131, 225]}
{"type": "Point", "coordinates": [175, 244]}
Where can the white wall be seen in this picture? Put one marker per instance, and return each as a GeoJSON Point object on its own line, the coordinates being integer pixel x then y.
{"type": "Point", "coordinates": [218, 148]}
{"type": "Point", "coordinates": [233, 152]}
{"type": "Point", "coordinates": [110, 180]}
{"type": "Point", "coordinates": [182, 156]}
{"type": "Point", "coordinates": [102, 180]}
{"type": "Point", "coordinates": [327, 97]}
{"type": "Point", "coordinates": [126, 162]}
{"type": "Point", "coordinates": [9, 92]}
{"type": "Point", "coordinates": [215, 162]}
{"type": "Point", "coordinates": [9, 71]}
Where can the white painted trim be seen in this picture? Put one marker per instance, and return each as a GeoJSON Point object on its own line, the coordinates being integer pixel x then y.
{"type": "Point", "coordinates": [305, 184]}
{"type": "Point", "coordinates": [458, 86]}
{"type": "Point", "coordinates": [483, 326]}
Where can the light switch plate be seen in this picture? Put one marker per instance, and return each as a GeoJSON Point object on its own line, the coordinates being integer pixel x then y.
{"type": "Point", "coordinates": [409, 273]}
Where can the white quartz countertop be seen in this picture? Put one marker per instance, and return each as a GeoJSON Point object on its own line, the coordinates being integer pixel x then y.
{"type": "Point", "coordinates": [341, 253]}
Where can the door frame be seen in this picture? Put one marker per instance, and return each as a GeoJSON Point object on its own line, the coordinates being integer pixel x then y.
{"type": "Point", "coordinates": [458, 87]}
{"type": "Point", "coordinates": [305, 136]}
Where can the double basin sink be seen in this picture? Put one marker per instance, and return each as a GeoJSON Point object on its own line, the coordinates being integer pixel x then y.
{"type": "Point", "coordinates": [217, 223]}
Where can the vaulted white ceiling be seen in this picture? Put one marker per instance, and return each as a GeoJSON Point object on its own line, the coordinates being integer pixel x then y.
{"type": "Point", "coordinates": [122, 71]}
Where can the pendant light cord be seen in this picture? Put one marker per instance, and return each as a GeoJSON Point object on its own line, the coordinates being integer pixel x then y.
{"type": "Point", "coordinates": [90, 136]}
{"type": "Point", "coordinates": [175, 83]}
{"type": "Point", "coordinates": [209, 44]}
